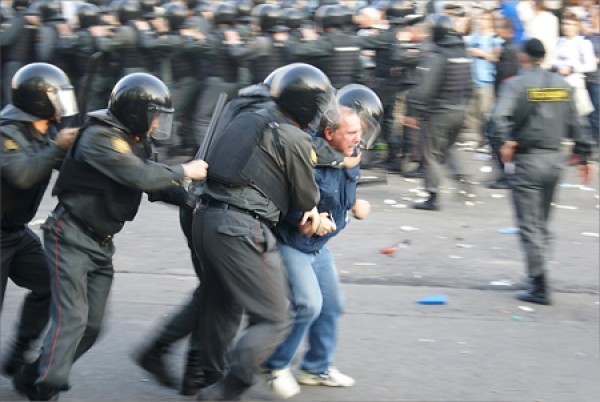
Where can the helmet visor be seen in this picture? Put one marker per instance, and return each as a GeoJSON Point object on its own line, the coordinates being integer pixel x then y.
{"type": "Point", "coordinates": [160, 123]}
{"type": "Point", "coordinates": [327, 110]}
{"type": "Point", "coordinates": [64, 101]}
{"type": "Point", "coordinates": [371, 129]}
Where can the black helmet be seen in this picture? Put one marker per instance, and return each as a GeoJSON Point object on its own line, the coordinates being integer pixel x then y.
{"type": "Point", "coordinates": [128, 10]}
{"type": "Point", "coordinates": [244, 8]}
{"type": "Point", "coordinates": [88, 15]}
{"type": "Point", "coordinates": [148, 6]}
{"type": "Point", "coordinates": [330, 16]}
{"type": "Point", "coordinates": [43, 90]}
{"type": "Point", "coordinates": [175, 14]}
{"type": "Point", "coordinates": [141, 101]}
{"type": "Point", "coordinates": [224, 13]}
{"type": "Point", "coordinates": [302, 91]}
{"type": "Point", "coordinates": [441, 27]}
{"type": "Point", "coordinates": [267, 15]}
{"type": "Point", "coordinates": [292, 17]}
{"type": "Point", "coordinates": [367, 105]}
{"type": "Point", "coordinates": [50, 10]}
{"type": "Point", "coordinates": [399, 8]}
{"type": "Point", "coordinates": [20, 4]}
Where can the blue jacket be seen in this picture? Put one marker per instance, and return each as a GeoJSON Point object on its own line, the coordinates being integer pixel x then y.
{"type": "Point", "coordinates": [337, 188]}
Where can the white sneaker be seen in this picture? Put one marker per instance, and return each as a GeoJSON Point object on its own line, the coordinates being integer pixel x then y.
{"type": "Point", "coordinates": [282, 383]}
{"type": "Point", "coordinates": [330, 378]}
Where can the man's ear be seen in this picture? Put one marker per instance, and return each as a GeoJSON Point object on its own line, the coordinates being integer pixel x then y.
{"type": "Point", "coordinates": [328, 133]}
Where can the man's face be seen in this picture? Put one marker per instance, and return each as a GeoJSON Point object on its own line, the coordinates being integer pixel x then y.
{"type": "Point", "coordinates": [347, 136]}
{"type": "Point", "coordinates": [153, 126]}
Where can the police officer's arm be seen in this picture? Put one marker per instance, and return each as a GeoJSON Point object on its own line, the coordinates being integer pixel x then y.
{"type": "Point", "coordinates": [432, 73]}
{"type": "Point", "coordinates": [113, 156]}
{"type": "Point", "coordinates": [503, 114]}
{"type": "Point", "coordinates": [312, 48]}
{"type": "Point", "coordinates": [299, 161]}
{"type": "Point", "coordinates": [45, 43]}
{"type": "Point", "coordinates": [383, 40]}
{"type": "Point", "coordinates": [125, 35]}
{"type": "Point", "coordinates": [11, 31]}
{"type": "Point", "coordinates": [23, 170]}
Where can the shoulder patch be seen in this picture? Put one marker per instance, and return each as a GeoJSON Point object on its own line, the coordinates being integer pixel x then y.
{"type": "Point", "coordinates": [547, 94]}
{"type": "Point", "coordinates": [313, 157]}
{"type": "Point", "coordinates": [121, 146]}
{"type": "Point", "coordinates": [11, 145]}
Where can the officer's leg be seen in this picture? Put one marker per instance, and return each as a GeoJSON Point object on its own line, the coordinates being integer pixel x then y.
{"type": "Point", "coordinates": [98, 289]}
{"type": "Point", "coordinates": [219, 316]}
{"type": "Point", "coordinates": [30, 271]}
{"type": "Point", "coordinates": [528, 199]}
{"type": "Point", "coordinates": [250, 268]}
{"type": "Point", "coordinates": [322, 335]}
{"type": "Point", "coordinates": [9, 246]}
{"type": "Point", "coordinates": [70, 257]}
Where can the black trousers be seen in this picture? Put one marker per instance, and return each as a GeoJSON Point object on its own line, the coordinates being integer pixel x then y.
{"type": "Point", "coordinates": [243, 272]}
{"type": "Point", "coordinates": [24, 262]}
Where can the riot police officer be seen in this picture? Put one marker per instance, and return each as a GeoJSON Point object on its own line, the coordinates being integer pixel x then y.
{"type": "Point", "coordinates": [336, 52]}
{"type": "Point", "coordinates": [439, 103]}
{"type": "Point", "coordinates": [31, 148]}
{"type": "Point", "coordinates": [269, 46]}
{"type": "Point", "coordinates": [249, 198]}
{"type": "Point", "coordinates": [534, 112]}
{"type": "Point", "coordinates": [99, 188]}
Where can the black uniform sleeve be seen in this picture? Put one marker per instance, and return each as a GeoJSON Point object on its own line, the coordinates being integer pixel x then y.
{"type": "Point", "coordinates": [22, 169]}
{"type": "Point", "coordinates": [299, 162]}
{"type": "Point", "coordinates": [112, 155]}
{"type": "Point", "coordinates": [174, 195]}
{"type": "Point", "coordinates": [10, 32]}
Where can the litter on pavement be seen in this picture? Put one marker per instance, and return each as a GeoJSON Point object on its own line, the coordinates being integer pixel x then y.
{"type": "Point", "coordinates": [434, 300]}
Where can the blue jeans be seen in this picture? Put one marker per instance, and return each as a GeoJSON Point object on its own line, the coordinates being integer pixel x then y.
{"type": "Point", "coordinates": [317, 303]}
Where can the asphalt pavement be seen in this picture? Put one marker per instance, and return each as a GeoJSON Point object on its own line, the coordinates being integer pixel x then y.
{"type": "Point", "coordinates": [482, 345]}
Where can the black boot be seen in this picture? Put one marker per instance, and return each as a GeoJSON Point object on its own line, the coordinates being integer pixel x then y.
{"type": "Point", "coordinates": [537, 293]}
{"type": "Point", "coordinates": [429, 204]}
{"type": "Point", "coordinates": [24, 382]}
{"type": "Point", "coordinates": [500, 184]}
{"type": "Point", "coordinates": [195, 377]}
{"type": "Point", "coordinates": [418, 173]}
{"type": "Point", "coordinates": [151, 359]}
{"type": "Point", "coordinates": [15, 359]}
{"type": "Point", "coordinates": [227, 389]}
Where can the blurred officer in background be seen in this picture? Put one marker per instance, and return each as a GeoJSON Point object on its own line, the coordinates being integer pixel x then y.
{"type": "Point", "coordinates": [440, 102]}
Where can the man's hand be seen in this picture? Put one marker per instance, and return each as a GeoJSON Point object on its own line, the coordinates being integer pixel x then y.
{"type": "Point", "coordinates": [195, 170]}
{"type": "Point", "coordinates": [232, 37]}
{"type": "Point", "coordinates": [508, 151]}
{"type": "Point", "coordinates": [361, 209]}
{"type": "Point", "coordinates": [65, 137]}
{"type": "Point", "coordinates": [410, 122]}
{"type": "Point", "coordinates": [352, 161]}
{"type": "Point", "coordinates": [326, 225]}
{"type": "Point", "coordinates": [310, 222]}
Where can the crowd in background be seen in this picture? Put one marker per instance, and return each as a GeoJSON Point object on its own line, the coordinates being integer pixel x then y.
{"type": "Point", "coordinates": [191, 45]}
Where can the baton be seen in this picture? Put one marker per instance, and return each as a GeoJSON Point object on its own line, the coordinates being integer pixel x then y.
{"type": "Point", "coordinates": [210, 132]}
{"type": "Point", "coordinates": [196, 188]}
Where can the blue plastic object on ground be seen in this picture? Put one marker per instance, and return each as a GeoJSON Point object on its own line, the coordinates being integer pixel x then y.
{"type": "Point", "coordinates": [434, 299]}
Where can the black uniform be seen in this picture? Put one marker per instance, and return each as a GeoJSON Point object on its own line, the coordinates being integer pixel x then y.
{"type": "Point", "coordinates": [440, 102]}
{"type": "Point", "coordinates": [99, 188]}
{"type": "Point", "coordinates": [27, 160]}
{"type": "Point", "coordinates": [536, 109]}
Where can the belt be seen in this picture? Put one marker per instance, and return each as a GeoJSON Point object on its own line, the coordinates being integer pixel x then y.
{"type": "Point", "coordinates": [61, 211]}
{"type": "Point", "coordinates": [212, 203]}
{"type": "Point", "coordinates": [535, 150]}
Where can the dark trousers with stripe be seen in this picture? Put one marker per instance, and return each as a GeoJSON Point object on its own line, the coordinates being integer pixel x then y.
{"type": "Point", "coordinates": [81, 273]}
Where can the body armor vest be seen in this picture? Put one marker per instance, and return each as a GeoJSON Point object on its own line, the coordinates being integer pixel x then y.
{"type": "Point", "coordinates": [457, 72]}
{"type": "Point", "coordinates": [342, 67]}
{"type": "Point", "coordinates": [264, 65]}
